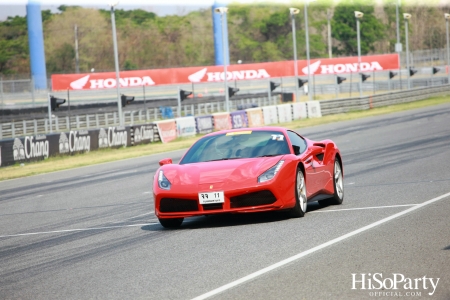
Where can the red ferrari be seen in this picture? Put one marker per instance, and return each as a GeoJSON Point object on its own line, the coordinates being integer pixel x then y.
{"type": "Point", "coordinates": [248, 170]}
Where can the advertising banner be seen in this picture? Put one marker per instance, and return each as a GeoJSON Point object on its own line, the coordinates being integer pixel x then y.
{"type": "Point", "coordinates": [74, 141]}
{"type": "Point", "coordinates": [239, 119]}
{"type": "Point", "coordinates": [142, 134]}
{"type": "Point", "coordinates": [313, 108]}
{"type": "Point", "coordinates": [204, 124]}
{"type": "Point", "coordinates": [107, 80]}
{"type": "Point", "coordinates": [255, 117]}
{"type": "Point", "coordinates": [270, 115]}
{"type": "Point", "coordinates": [185, 126]}
{"type": "Point", "coordinates": [284, 113]}
{"type": "Point", "coordinates": [113, 137]}
{"type": "Point", "coordinates": [167, 130]}
{"type": "Point", "coordinates": [299, 110]}
{"type": "Point", "coordinates": [222, 121]}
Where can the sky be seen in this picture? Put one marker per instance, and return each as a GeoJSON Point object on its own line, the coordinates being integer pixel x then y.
{"type": "Point", "coordinates": [170, 7]}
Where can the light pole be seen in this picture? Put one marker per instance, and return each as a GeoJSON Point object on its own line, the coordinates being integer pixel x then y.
{"type": "Point", "coordinates": [329, 33]}
{"type": "Point", "coordinates": [359, 15]}
{"type": "Point", "coordinates": [294, 11]}
{"type": "Point", "coordinates": [398, 45]}
{"type": "Point", "coordinates": [447, 18]}
{"type": "Point", "coordinates": [116, 61]}
{"type": "Point", "coordinates": [222, 11]}
{"type": "Point", "coordinates": [407, 17]}
{"type": "Point", "coordinates": [310, 90]}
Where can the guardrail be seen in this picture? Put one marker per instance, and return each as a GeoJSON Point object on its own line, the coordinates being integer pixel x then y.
{"type": "Point", "coordinates": [97, 120]}
{"type": "Point", "coordinates": [350, 104]}
{"type": "Point", "coordinates": [38, 146]}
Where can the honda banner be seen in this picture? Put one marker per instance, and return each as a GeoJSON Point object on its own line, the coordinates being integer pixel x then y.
{"type": "Point", "coordinates": [90, 81]}
{"type": "Point", "coordinates": [167, 130]}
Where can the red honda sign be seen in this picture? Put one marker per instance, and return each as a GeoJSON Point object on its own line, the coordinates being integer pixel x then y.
{"type": "Point", "coordinates": [106, 80]}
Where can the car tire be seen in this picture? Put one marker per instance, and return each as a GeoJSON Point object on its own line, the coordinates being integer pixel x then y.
{"type": "Point", "coordinates": [300, 207]}
{"type": "Point", "coordinates": [338, 184]}
{"type": "Point", "coordinates": [171, 223]}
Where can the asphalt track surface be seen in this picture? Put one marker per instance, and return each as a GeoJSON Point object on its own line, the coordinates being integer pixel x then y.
{"type": "Point", "coordinates": [90, 232]}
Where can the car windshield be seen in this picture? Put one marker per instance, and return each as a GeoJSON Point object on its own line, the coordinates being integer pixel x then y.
{"type": "Point", "coordinates": [237, 144]}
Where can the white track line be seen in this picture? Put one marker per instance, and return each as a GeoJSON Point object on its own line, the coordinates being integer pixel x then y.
{"type": "Point", "coordinates": [312, 250]}
{"type": "Point", "coordinates": [358, 208]}
{"type": "Point", "coordinates": [73, 230]}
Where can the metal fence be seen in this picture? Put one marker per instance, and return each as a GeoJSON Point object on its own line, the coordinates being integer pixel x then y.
{"type": "Point", "coordinates": [91, 121]}
{"type": "Point", "coordinates": [141, 116]}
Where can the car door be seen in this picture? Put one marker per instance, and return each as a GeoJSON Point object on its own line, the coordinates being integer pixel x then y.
{"type": "Point", "coordinates": [312, 176]}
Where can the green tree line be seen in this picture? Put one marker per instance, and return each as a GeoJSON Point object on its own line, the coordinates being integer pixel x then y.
{"type": "Point", "coordinates": [258, 33]}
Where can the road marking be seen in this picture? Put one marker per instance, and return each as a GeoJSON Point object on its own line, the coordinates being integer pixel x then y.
{"type": "Point", "coordinates": [317, 248]}
{"type": "Point", "coordinates": [78, 229]}
{"type": "Point", "coordinates": [358, 208]}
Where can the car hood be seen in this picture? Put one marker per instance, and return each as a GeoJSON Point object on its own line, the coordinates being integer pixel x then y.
{"type": "Point", "coordinates": [219, 173]}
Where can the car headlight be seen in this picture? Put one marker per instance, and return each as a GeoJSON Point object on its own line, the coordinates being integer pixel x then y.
{"type": "Point", "coordinates": [163, 182]}
{"type": "Point", "coordinates": [269, 174]}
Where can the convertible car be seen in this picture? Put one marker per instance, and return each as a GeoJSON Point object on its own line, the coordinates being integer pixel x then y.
{"type": "Point", "coordinates": [248, 170]}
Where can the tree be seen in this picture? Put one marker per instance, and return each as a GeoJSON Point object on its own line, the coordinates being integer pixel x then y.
{"type": "Point", "coordinates": [343, 27]}
{"type": "Point", "coordinates": [14, 46]}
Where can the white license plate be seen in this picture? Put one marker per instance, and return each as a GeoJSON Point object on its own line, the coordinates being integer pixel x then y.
{"type": "Point", "coordinates": [209, 198]}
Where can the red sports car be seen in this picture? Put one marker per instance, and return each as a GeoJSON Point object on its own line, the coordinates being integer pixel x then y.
{"type": "Point", "coordinates": [248, 170]}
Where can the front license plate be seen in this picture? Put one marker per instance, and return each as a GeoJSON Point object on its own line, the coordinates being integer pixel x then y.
{"type": "Point", "coordinates": [209, 198]}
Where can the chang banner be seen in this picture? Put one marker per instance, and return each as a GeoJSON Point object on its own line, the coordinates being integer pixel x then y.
{"type": "Point", "coordinates": [239, 119]}
{"type": "Point", "coordinates": [142, 134]}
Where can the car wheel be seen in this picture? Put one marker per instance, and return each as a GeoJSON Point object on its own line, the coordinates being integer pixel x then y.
{"type": "Point", "coordinates": [171, 223]}
{"type": "Point", "coordinates": [338, 182]}
{"type": "Point", "coordinates": [299, 209]}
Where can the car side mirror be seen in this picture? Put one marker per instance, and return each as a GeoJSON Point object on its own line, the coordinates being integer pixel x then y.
{"type": "Point", "coordinates": [165, 161]}
{"type": "Point", "coordinates": [296, 149]}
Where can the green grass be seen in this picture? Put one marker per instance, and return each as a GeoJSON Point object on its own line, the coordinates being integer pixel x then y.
{"type": "Point", "coordinates": [106, 155]}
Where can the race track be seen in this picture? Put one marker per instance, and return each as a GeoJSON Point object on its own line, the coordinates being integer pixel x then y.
{"type": "Point", "coordinates": [91, 232]}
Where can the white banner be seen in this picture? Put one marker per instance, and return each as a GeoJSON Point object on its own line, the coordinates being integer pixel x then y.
{"type": "Point", "coordinates": [185, 126]}
{"type": "Point", "coordinates": [270, 115]}
{"type": "Point", "coordinates": [284, 113]}
{"type": "Point", "coordinates": [314, 109]}
{"type": "Point", "coordinates": [299, 110]}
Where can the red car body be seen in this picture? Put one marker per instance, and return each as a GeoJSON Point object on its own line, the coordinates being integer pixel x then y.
{"type": "Point", "coordinates": [238, 179]}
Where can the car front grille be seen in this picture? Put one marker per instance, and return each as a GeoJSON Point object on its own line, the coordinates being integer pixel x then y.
{"type": "Point", "coordinates": [177, 205]}
{"type": "Point", "coordinates": [252, 199]}
{"type": "Point", "coordinates": [212, 206]}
